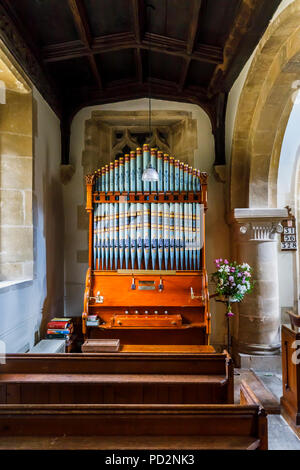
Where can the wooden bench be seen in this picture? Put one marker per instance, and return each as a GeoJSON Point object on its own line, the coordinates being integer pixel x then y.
{"type": "Point", "coordinates": [116, 378]}
{"type": "Point", "coordinates": [132, 427]}
{"type": "Point", "coordinates": [290, 400]}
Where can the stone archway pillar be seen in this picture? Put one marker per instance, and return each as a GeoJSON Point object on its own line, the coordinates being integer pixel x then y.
{"type": "Point", "coordinates": [256, 243]}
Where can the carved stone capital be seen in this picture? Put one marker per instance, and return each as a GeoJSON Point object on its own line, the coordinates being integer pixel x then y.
{"type": "Point", "coordinates": [258, 225]}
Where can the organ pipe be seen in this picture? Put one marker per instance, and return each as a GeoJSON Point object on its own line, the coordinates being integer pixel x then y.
{"type": "Point", "coordinates": [147, 235]}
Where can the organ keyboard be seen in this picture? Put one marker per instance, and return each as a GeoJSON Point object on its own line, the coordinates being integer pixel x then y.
{"type": "Point", "coordinates": [147, 252]}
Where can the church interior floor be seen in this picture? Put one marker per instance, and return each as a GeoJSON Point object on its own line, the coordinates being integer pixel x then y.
{"type": "Point", "coordinates": [268, 388]}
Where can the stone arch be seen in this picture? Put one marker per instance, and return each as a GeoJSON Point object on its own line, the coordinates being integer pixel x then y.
{"type": "Point", "coordinates": [263, 111]}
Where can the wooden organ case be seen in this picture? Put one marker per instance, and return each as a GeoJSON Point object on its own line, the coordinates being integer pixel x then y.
{"type": "Point", "coordinates": [147, 280]}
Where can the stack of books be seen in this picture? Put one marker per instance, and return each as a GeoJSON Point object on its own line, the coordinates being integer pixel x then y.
{"type": "Point", "coordinates": [92, 320]}
{"type": "Point", "coordinates": [60, 328]}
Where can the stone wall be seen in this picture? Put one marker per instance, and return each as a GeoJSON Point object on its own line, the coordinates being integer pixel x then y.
{"type": "Point", "coordinates": [262, 170]}
{"type": "Point", "coordinates": [16, 230]}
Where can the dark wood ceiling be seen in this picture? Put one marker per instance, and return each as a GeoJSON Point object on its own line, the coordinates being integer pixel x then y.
{"type": "Point", "coordinates": [97, 51]}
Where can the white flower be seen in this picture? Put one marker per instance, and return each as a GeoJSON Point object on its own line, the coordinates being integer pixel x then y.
{"type": "Point", "coordinates": [242, 288]}
{"type": "Point", "coordinates": [245, 265]}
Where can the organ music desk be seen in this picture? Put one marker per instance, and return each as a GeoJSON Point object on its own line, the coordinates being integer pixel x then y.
{"type": "Point", "coordinates": [147, 279]}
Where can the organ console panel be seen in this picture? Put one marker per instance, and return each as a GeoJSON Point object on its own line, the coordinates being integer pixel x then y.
{"type": "Point", "coordinates": [147, 280]}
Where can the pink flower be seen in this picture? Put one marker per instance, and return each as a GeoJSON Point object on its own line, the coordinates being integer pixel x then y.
{"type": "Point", "coordinates": [217, 261]}
{"type": "Point", "coordinates": [230, 314]}
{"type": "Point", "coordinates": [226, 261]}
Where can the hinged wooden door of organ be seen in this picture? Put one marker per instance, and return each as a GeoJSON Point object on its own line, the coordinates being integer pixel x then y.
{"type": "Point", "coordinates": [147, 251]}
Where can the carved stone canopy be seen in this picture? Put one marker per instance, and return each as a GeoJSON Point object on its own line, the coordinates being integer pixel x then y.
{"type": "Point", "coordinates": [111, 133]}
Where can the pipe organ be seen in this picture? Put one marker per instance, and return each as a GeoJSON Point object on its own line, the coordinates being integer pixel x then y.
{"type": "Point", "coordinates": [146, 279]}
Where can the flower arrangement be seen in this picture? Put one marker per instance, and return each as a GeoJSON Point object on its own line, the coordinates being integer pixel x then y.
{"type": "Point", "coordinates": [233, 281]}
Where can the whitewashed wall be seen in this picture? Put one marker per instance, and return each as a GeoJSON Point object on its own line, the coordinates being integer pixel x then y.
{"type": "Point", "coordinates": [26, 307]}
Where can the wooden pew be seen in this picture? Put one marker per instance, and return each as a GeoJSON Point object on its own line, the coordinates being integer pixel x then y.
{"type": "Point", "coordinates": [290, 400]}
{"type": "Point", "coordinates": [294, 319]}
{"type": "Point", "coordinates": [132, 427]}
{"type": "Point", "coordinates": [116, 378]}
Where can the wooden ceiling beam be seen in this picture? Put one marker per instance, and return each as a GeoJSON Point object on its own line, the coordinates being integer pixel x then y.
{"type": "Point", "coordinates": [167, 45]}
{"type": "Point", "coordinates": [95, 70]}
{"type": "Point", "coordinates": [163, 44]}
{"type": "Point", "coordinates": [160, 89]}
{"type": "Point", "coordinates": [192, 33]}
{"type": "Point", "coordinates": [81, 22]}
{"type": "Point", "coordinates": [190, 44]}
{"type": "Point", "coordinates": [184, 73]}
{"type": "Point", "coordinates": [251, 20]}
{"type": "Point", "coordinates": [138, 19]}
{"type": "Point", "coordinates": [73, 49]}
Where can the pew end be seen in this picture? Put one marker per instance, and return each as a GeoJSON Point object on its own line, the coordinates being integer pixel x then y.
{"type": "Point", "coordinates": [294, 320]}
{"type": "Point", "coordinates": [290, 400]}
